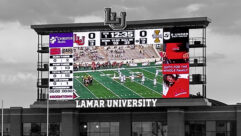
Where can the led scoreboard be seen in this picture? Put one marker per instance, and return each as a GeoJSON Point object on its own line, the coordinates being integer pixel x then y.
{"type": "Point", "coordinates": [127, 64]}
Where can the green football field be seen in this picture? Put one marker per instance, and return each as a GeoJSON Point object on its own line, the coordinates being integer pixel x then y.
{"type": "Point", "coordinates": [104, 86]}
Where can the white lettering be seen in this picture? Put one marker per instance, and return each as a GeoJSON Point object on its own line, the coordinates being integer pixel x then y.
{"type": "Point", "coordinates": [144, 103]}
{"type": "Point", "coordinates": [140, 103]}
{"type": "Point", "coordinates": [134, 103]}
{"type": "Point", "coordinates": [109, 103]}
{"type": "Point", "coordinates": [148, 102]}
{"type": "Point", "coordinates": [115, 103]}
{"type": "Point", "coordinates": [83, 104]}
{"type": "Point", "coordinates": [129, 103]}
{"type": "Point", "coordinates": [102, 103]}
{"type": "Point", "coordinates": [89, 103]}
{"type": "Point", "coordinates": [96, 103]}
{"type": "Point", "coordinates": [124, 103]}
{"type": "Point", "coordinates": [77, 104]}
{"type": "Point", "coordinates": [154, 102]}
{"type": "Point", "coordinates": [120, 103]}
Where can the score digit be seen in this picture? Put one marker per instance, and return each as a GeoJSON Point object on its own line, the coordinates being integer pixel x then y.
{"type": "Point", "coordinates": [143, 33]}
{"type": "Point", "coordinates": [91, 35]}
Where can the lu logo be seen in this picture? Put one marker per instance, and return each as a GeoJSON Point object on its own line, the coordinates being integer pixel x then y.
{"type": "Point", "coordinates": [114, 22]}
{"type": "Point", "coordinates": [78, 40]}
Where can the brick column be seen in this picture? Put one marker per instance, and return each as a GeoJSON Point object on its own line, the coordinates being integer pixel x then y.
{"type": "Point", "coordinates": [238, 118]}
{"type": "Point", "coordinates": [125, 125]}
{"type": "Point", "coordinates": [70, 123]}
{"type": "Point", "coordinates": [175, 122]}
{"type": "Point", "coordinates": [16, 121]}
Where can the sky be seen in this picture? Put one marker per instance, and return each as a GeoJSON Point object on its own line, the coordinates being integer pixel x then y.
{"type": "Point", "coordinates": [18, 42]}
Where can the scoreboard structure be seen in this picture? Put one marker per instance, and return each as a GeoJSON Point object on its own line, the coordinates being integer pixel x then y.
{"type": "Point", "coordinates": [123, 78]}
{"type": "Point", "coordinates": [133, 61]}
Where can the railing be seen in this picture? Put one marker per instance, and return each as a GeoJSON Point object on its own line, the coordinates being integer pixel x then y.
{"type": "Point", "coordinates": [197, 79]}
{"type": "Point", "coordinates": [42, 66]}
{"type": "Point", "coordinates": [43, 83]}
{"type": "Point", "coordinates": [196, 40]}
{"type": "Point", "coordinates": [43, 48]}
{"type": "Point", "coordinates": [197, 61]}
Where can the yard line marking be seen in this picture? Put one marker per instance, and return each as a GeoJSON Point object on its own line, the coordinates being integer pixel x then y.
{"type": "Point", "coordinates": [147, 86]}
{"type": "Point", "coordinates": [148, 78]}
{"type": "Point", "coordinates": [106, 88]}
{"type": "Point", "coordinates": [149, 71]}
{"type": "Point", "coordinates": [125, 87]}
{"type": "Point", "coordinates": [86, 88]}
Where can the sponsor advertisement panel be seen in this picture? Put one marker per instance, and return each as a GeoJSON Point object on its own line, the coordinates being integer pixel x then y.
{"type": "Point", "coordinates": [176, 63]}
{"type": "Point", "coordinates": [61, 40]}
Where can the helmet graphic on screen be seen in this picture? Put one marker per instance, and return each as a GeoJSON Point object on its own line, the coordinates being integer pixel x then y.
{"type": "Point", "coordinates": [156, 36]}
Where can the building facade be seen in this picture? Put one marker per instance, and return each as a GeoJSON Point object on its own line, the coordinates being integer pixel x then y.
{"type": "Point", "coordinates": [200, 118]}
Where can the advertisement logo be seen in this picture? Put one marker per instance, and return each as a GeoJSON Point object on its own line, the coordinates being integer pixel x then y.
{"type": "Point", "coordinates": [179, 35]}
{"type": "Point", "coordinates": [61, 40]}
{"type": "Point", "coordinates": [55, 51]}
{"type": "Point", "coordinates": [52, 40]}
{"type": "Point", "coordinates": [78, 40]}
{"type": "Point", "coordinates": [67, 51]}
{"type": "Point", "coordinates": [156, 36]}
{"type": "Point", "coordinates": [167, 35]}
{"type": "Point", "coordinates": [176, 34]}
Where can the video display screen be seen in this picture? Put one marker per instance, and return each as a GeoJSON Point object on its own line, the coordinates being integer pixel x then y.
{"type": "Point", "coordinates": [128, 64]}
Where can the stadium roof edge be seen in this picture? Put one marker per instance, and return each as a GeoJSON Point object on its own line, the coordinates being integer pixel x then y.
{"type": "Point", "coordinates": [194, 22]}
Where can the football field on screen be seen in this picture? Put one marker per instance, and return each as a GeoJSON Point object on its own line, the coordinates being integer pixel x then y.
{"type": "Point", "coordinates": [106, 83]}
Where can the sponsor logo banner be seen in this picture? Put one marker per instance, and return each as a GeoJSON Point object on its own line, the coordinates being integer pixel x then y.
{"type": "Point", "coordinates": [61, 40]}
{"type": "Point", "coordinates": [55, 51]}
{"type": "Point", "coordinates": [175, 63]}
{"type": "Point", "coordinates": [176, 35]}
{"type": "Point", "coordinates": [61, 94]}
{"type": "Point", "coordinates": [67, 51]}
